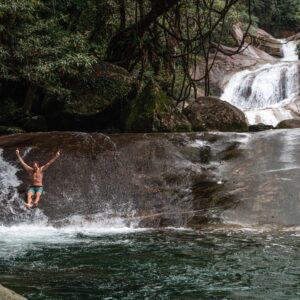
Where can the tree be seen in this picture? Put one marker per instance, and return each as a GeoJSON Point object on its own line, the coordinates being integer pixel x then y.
{"type": "Point", "coordinates": [49, 46]}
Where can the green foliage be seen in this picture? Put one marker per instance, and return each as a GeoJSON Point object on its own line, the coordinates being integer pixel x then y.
{"type": "Point", "coordinates": [38, 45]}
{"type": "Point", "coordinates": [275, 15]}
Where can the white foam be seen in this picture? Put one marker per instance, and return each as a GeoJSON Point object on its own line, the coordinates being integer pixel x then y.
{"type": "Point", "coordinates": [17, 240]}
{"type": "Point", "coordinates": [270, 116]}
{"type": "Point", "coordinates": [198, 143]}
{"type": "Point", "coordinates": [8, 176]}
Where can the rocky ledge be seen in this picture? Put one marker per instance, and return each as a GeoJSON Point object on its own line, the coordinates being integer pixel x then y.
{"type": "Point", "coordinates": [7, 294]}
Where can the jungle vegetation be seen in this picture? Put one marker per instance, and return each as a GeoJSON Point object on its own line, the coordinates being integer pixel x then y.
{"type": "Point", "coordinates": [62, 49]}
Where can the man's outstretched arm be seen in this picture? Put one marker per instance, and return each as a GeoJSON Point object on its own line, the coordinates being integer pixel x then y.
{"type": "Point", "coordinates": [24, 165]}
{"type": "Point", "coordinates": [50, 162]}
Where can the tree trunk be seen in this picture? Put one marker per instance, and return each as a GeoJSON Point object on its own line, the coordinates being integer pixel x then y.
{"type": "Point", "coordinates": [122, 11]}
{"type": "Point", "coordinates": [29, 98]}
{"type": "Point", "coordinates": [123, 47]}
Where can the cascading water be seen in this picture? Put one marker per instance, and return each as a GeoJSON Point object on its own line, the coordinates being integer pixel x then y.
{"type": "Point", "coordinates": [263, 93]}
{"type": "Point", "coordinates": [289, 50]}
{"type": "Point", "coordinates": [10, 201]}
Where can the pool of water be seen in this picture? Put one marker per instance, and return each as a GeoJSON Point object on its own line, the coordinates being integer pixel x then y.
{"type": "Point", "coordinates": [216, 263]}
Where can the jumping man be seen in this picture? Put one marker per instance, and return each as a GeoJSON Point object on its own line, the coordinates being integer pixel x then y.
{"type": "Point", "coordinates": [36, 174]}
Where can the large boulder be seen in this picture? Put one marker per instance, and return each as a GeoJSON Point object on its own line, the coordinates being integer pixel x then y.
{"type": "Point", "coordinates": [209, 113]}
{"type": "Point", "coordinates": [6, 294]}
{"type": "Point", "coordinates": [95, 105]}
{"type": "Point", "coordinates": [154, 111]}
{"type": "Point", "coordinates": [290, 123]}
{"type": "Point", "coordinates": [34, 124]}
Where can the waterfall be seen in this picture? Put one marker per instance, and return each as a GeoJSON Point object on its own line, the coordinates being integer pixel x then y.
{"type": "Point", "coordinates": [289, 50]}
{"type": "Point", "coordinates": [11, 204]}
{"type": "Point", "coordinates": [262, 93]}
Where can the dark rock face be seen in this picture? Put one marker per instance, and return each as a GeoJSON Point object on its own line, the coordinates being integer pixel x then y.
{"type": "Point", "coordinates": [266, 180]}
{"type": "Point", "coordinates": [154, 111]}
{"type": "Point", "coordinates": [260, 127]}
{"type": "Point", "coordinates": [208, 113]}
{"type": "Point", "coordinates": [94, 107]}
{"type": "Point", "coordinates": [291, 123]}
{"type": "Point", "coordinates": [155, 180]}
{"type": "Point", "coordinates": [35, 124]}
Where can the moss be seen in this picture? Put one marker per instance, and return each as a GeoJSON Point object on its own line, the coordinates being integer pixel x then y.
{"type": "Point", "coordinates": [110, 84]}
{"type": "Point", "coordinates": [289, 124]}
{"type": "Point", "coordinates": [5, 130]}
{"type": "Point", "coordinates": [236, 127]}
{"type": "Point", "coordinates": [143, 110]}
{"type": "Point", "coordinates": [154, 111]}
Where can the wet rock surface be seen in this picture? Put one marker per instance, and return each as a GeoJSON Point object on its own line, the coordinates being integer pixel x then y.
{"type": "Point", "coordinates": [157, 179]}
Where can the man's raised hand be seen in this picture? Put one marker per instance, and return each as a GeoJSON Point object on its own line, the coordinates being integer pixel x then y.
{"type": "Point", "coordinates": [58, 154]}
{"type": "Point", "coordinates": [17, 151]}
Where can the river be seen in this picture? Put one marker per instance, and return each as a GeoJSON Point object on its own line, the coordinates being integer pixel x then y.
{"type": "Point", "coordinates": [126, 263]}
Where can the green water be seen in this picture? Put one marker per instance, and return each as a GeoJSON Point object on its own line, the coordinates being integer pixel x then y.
{"type": "Point", "coordinates": [153, 264]}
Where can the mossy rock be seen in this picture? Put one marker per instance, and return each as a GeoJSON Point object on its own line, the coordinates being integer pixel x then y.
{"type": "Point", "coordinates": [52, 104]}
{"type": "Point", "coordinates": [5, 130]}
{"type": "Point", "coordinates": [34, 124]}
{"type": "Point", "coordinates": [260, 127]}
{"type": "Point", "coordinates": [94, 105]}
{"type": "Point", "coordinates": [109, 84]}
{"type": "Point", "coordinates": [289, 124]}
{"type": "Point", "coordinates": [154, 111]}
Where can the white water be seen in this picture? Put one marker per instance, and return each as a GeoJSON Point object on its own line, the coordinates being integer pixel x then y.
{"type": "Point", "coordinates": [289, 50]}
{"type": "Point", "coordinates": [262, 93]}
{"type": "Point", "coordinates": [8, 178]}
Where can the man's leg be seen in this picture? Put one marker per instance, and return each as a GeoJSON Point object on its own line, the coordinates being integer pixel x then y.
{"type": "Point", "coordinates": [37, 198]}
{"type": "Point", "coordinates": [29, 199]}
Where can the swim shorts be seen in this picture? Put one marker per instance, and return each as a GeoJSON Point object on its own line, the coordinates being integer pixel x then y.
{"type": "Point", "coordinates": [35, 189]}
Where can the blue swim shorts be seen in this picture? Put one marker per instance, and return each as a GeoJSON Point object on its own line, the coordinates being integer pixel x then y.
{"type": "Point", "coordinates": [35, 189]}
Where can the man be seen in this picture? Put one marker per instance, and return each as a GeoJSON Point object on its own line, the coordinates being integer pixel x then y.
{"type": "Point", "coordinates": [36, 174]}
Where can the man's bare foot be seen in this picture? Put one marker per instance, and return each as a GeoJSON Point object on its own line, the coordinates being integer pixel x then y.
{"type": "Point", "coordinates": [28, 205]}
